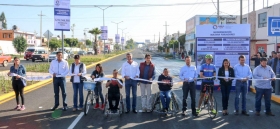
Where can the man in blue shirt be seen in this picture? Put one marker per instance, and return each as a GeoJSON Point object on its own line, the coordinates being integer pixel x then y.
{"type": "Point", "coordinates": [188, 74]}
{"type": "Point", "coordinates": [207, 71]}
{"type": "Point", "coordinates": [263, 87]}
{"type": "Point", "coordinates": [242, 72]}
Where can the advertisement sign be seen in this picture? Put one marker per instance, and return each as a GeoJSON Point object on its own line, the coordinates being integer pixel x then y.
{"type": "Point", "coordinates": [117, 38]}
{"type": "Point", "coordinates": [207, 20]}
{"type": "Point", "coordinates": [222, 41]}
{"type": "Point", "coordinates": [104, 34]}
{"type": "Point", "coordinates": [190, 25]}
{"type": "Point", "coordinates": [273, 28]}
{"type": "Point", "coordinates": [122, 40]}
{"type": "Point", "coordinates": [62, 15]}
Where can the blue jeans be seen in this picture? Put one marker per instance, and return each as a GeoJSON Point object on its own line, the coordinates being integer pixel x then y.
{"type": "Point", "coordinates": [165, 98]}
{"type": "Point", "coordinates": [129, 83]}
{"type": "Point", "coordinates": [225, 89]}
{"type": "Point", "coordinates": [59, 82]}
{"type": "Point", "coordinates": [241, 88]}
{"type": "Point", "coordinates": [78, 88]}
{"type": "Point", "coordinates": [98, 92]}
{"type": "Point", "coordinates": [267, 98]}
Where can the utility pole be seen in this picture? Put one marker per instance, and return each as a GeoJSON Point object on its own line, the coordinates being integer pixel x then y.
{"type": "Point", "coordinates": [41, 15]}
{"type": "Point", "coordinates": [253, 5]}
{"type": "Point", "coordinates": [178, 42]}
{"type": "Point", "coordinates": [240, 11]}
{"type": "Point", "coordinates": [72, 29]}
{"type": "Point", "coordinates": [218, 11]}
{"type": "Point", "coordinates": [166, 34]}
{"type": "Point", "coordinates": [248, 11]}
{"type": "Point", "coordinates": [154, 38]}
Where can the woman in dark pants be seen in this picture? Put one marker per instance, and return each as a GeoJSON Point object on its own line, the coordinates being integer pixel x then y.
{"type": "Point", "coordinates": [225, 71]}
{"type": "Point", "coordinates": [17, 71]}
{"type": "Point", "coordinates": [98, 73]}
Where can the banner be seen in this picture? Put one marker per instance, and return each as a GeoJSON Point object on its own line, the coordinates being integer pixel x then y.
{"type": "Point", "coordinates": [62, 15]}
{"type": "Point", "coordinates": [104, 34]}
{"type": "Point", "coordinates": [117, 38]}
{"type": "Point", "coordinates": [122, 40]}
{"type": "Point", "coordinates": [222, 41]}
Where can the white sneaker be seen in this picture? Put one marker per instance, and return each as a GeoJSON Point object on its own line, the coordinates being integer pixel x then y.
{"type": "Point", "coordinates": [144, 110]}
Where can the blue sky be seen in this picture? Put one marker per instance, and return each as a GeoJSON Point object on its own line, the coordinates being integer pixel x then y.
{"type": "Point", "coordinates": [141, 22]}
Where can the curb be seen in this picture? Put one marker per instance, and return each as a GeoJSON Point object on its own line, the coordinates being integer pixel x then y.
{"type": "Point", "coordinates": [273, 97]}
{"type": "Point", "coordinates": [6, 97]}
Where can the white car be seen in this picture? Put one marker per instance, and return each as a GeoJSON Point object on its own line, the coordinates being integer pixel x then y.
{"type": "Point", "coordinates": [52, 56]}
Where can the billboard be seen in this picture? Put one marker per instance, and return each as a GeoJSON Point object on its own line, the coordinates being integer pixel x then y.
{"type": "Point", "coordinates": [190, 25]}
{"type": "Point", "coordinates": [104, 34]}
{"type": "Point", "coordinates": [117, 38]}
{"type": "Point", "coordinates": [207, 20]}
{"type": "Point", "coordinates": [222, 41]}
{"type": "Point", "coordinates": [273, 28]}
{"type": "Point", "coordinates": [62, 15]}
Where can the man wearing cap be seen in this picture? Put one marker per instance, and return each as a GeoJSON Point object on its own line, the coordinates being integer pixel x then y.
{"type": "Point", "coordinates": [263, 86]}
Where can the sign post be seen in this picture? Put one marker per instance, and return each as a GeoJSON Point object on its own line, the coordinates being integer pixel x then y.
{"type": "Point", "coordinates": [104, 35]}
{"type": "Point", "coordinates": [117, 39]}
{"type": "Point", "coordinates": [122, 41]}
{"type": "Point", "coordinates": [62, 18]}
{"type": "Point", "coordinates": [48, 34]}
{"type": "Point", "coordinates": [222, 41]}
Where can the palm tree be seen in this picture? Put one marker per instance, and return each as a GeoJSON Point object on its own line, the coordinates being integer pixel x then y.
{"type": "Point", "coordinates": [95, 32]}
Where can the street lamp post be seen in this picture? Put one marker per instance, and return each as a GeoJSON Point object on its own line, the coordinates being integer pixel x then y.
{"type": "Point", "coordinates": [103, 9]}
{"type": "Point", "coordinates": [117, 26]}
{"type": "Point", "coordinates": [122, 35]}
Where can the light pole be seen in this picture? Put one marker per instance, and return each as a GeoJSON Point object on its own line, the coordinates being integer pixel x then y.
{"type": "Point", "coordinates": [117, 27]}
{"type": "Point", "coordinates": [122, 35]}
{"type": "Point", "coordinates": [41, 26]}
{"type": "Point", "coordinates": [103, 9]}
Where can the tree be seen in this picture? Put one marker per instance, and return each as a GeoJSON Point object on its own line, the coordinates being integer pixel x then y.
{"type": "Point", "coordinates": [130, 44]}
{"type": "Point", "coordinates": [81, 45]}
{"type": "Point", "coordinates": [88, 42]}
{"type": "Point", "coordinates": [4, 21]}
{"type": "Point", "coordinates": [171, 42]}
{"type": "Point", "coordinates": [182, 40]}
{"type": "Point", "coordinates": [71, 42]}
{"type": "Point", "coordinates": [54, 44]}
{"type": "Point", "coordinates": [95, 32]}
{"type": "Point", "coordinates": [20, 44]}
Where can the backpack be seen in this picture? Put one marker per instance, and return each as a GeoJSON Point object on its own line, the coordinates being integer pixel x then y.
{"type": "Point", "coordinates": [80, 70]}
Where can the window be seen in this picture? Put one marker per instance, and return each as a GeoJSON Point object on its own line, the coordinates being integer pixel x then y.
{"type": "Point", "coordinates": [262, 20]}
{"type": "Point", "coordinates": [244, 20]}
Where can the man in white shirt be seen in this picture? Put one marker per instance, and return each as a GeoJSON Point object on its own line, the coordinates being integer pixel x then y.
{"type": "Point", "coordinates": [130, 71]}
{"type": "Point", "coordinates": [59, 69]}
{"type": "Point", "coordinates": [77, 72]}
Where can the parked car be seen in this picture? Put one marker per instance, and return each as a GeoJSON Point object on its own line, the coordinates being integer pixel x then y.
{"type": "Point", "coordinates": [90, 53]}
{"type": "Point", "coordinates": [52, 56]}
{"type": "Point", "coordinates": [82, 53]}
{"type": "Point", "coordinates": [4, 59]}
{"type": "Point", "coordinates": [39, 54]}
{"type": "Point", "coordinates": [30, 50]}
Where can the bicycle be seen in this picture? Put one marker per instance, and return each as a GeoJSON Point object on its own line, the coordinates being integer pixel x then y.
{"type": "Point", "coordinates": [89, 86]}
{"type": "Point", "coordinates": [210, 105]}
{"type": "Point", "coordinates": [157, 106]}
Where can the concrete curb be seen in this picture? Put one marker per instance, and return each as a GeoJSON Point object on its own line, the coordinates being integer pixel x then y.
{"type": "Point", "coordinates": [273, 97]}
{"type": "Point", "coordinates": [6, 97]}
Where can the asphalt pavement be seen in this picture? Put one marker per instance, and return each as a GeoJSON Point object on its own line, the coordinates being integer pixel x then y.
{"type": "Point", "coordinates": [38, 103]}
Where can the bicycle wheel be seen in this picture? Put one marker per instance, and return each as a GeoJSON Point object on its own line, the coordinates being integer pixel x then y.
{"type": "Point", "coordinates": [87, 103]}
{"type": "Point", "coordinates": [122, 105]}
{"type": "Point", "coordinates": [154, 100]}
{"type": "Point", "coordinates": [212, 105]}
{"type": "Point", "coordinates": [105, 104]}
{"type": "Point", "coordinates": [175, 104]}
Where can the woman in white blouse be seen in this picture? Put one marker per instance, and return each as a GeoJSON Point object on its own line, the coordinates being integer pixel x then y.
{"type": "Point", "coordinates": [226, 73]}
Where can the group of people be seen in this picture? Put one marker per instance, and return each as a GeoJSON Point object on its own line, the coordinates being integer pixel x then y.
{"type": "Point", "coordinates": [132, 72]}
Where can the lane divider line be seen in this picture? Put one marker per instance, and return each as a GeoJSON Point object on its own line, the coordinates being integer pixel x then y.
{"type": "Point", "coordinates": [74, 123]}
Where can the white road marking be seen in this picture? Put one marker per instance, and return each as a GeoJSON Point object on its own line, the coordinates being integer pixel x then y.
{"type": "Point", "coordinates": [40, 107]}
{"type": "Point", "coordinates": [76, 121]}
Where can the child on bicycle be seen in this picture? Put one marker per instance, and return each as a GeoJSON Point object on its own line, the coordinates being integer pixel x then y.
{"type": "Point", "coordinates": [165, 89]}
{"type": "Point", "coordinates": [207, 71]}
{"type": "Point", "coordinates": [114, 91]}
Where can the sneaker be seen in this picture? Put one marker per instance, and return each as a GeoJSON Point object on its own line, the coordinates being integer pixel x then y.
{"type": "Point", "coordinates": [245, 113]}
{"type": "Point", "coordinates": [144, 110]}
{"type": "Point", "coordinates": [96, 106]}
{"type": "Point", "coordinates": [22, 108]}
{"type": "Point", "coordinates": [214, 111]}
{"type": "Point", "coordinates": [17, 107]}
{"type": "Point", "coordinates": [149, 110]}
{"type": "Point", "coordinates": [80, 109]}
{"type": "Point", "coordinates": [258, 113]}
{"type": "Point", "coordinates": [163, 110]}
{"type": "Point", "coordinates": [74, 109]}
{"type": "Point", "coordinates": [102, 106]}
{"type": "Point", "coordinates": [198, 111]}
{"type": "Point", "coordinates": [269, 114]}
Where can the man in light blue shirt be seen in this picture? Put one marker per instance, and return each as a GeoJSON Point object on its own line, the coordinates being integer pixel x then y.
{"type": "Point", "coordinates": [188, 74]}
{"type": "Point", "coordinates": [242, 72]}
{"type": "Point", "coordinates": [263, 87]}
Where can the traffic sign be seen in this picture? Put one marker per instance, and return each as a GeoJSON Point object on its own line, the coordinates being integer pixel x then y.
{"type": "Point", "coordinates": [273, 28]}
{"type": "Point", "coordinates": [48, 34]}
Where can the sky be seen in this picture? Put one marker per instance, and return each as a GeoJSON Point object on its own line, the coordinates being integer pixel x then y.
{"type": "Point", "coordinates": [141, 23]}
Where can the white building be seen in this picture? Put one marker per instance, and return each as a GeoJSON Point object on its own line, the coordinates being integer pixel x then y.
{"type": "Point", "coordinates": [201, 20]}
{"type": "Point", "coordinates": [260, 41]}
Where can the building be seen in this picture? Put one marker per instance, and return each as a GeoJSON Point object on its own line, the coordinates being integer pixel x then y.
{"type": "Point", "coordinates": [201, 20]}
{"type": "Point", "coordinates": [260, 41]}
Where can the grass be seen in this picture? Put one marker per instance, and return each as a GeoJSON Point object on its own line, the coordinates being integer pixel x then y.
{"type": "Point", "coordinates": [87, 60]}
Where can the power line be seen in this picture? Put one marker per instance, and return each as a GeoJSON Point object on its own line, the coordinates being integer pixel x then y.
{"type": "Point", "coordinates": [214, 4]}
{"type": "Point", "coordinates": [136, 5]}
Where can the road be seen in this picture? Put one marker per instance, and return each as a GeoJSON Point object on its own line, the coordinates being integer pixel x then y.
{"type": "Point", "coordinates": [22, 61]}
{"type": "Point", "coordinates": [38, 104]}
